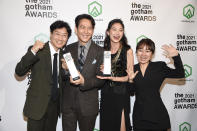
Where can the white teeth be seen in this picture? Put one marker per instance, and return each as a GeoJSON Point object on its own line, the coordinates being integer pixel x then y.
{"type": "Point", "coordinates": [59, 42]}
{"type": "Point", "coordinates": [116, 36]}
{"type": "Point", "coordinates": [143, 58]}
{"type": "Point", "coordinates": [85, 36]}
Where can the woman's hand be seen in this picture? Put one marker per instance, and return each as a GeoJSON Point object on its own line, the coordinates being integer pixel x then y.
{"type": "Point", "coordinates": [107, 78]}
{"type": "Point", "coordinates": [169, 51]}
{"type": "Point", "coordinates": [131, 75]}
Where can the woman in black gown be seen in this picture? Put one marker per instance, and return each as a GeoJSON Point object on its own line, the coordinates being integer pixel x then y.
{"type": "Point", "coordinates": [115, 98]}
{"type": "Point", "coordinates": [149, 113]}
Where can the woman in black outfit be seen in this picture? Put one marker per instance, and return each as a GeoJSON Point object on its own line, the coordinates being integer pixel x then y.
{"type": "Point", "coordinates": [115, 99]}
{"type": "Point", "coordinates": [149, 113]}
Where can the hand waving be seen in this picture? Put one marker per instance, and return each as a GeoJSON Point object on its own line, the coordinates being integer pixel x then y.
{"type": "Point", "coordinates": [169, 51]}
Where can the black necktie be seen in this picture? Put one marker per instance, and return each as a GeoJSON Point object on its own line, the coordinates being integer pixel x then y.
{"type": "Point", "coordinates": [54, 93]}
{"type": "Point", "coordinates": [81, 58]}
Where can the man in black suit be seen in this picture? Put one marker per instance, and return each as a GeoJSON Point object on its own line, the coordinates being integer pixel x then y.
{"type": "Point", "coordinates": [80, 97]}
{"type": "Point", "coordinates": [42, 105]}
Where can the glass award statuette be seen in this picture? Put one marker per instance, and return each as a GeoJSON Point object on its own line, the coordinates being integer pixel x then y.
{"type": "Point", "coordinates": [71, 66]}
{"type": "Point", "coordinates": [107, 63]}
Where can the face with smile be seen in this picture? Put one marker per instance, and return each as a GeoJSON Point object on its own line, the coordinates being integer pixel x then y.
{"type": "Point", "coordinates": [59, 38]}
{"type": "Point", "coordinates": [144, 54]}
{"type": "Point", "coordinates": [116, 33]}
{"type": "Point", "coordinates": [84, 31]}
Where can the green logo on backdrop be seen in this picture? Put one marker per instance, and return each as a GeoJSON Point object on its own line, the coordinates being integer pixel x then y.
{"type": "Point", "coordinates": [185, 127]}
{"type": "Point", "coordinates": [188, 70]}
{"type": "Point", "coordinates": [95, 9]}
{"type": "Point", "coordinates": [188, 11]}
{"type": "Point", "coordinates": [140, 38]}
{"type": "Point", "coordinates": [41, 37]}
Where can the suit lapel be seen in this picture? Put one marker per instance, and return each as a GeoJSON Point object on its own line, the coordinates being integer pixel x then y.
{"type": "Point", "coordinates": [60, 57]}
{"type": "Point", "coordinates": [47, 53]}
{"type": "Point", "coordinates": [60, 67]}
{"type": "Point", "coordinates": [74, 53]}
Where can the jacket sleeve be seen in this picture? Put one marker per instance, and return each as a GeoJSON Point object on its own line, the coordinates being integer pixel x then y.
{"type": "Point", "coordinates": [26, 63]}
{"type": "Point", "coordinates": [178, 72]}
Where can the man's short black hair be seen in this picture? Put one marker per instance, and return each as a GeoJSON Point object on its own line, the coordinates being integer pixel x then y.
{"type": "Point", "coordinates": [60, 24]}
{"type": "Point", "coordinates": [84, 16]}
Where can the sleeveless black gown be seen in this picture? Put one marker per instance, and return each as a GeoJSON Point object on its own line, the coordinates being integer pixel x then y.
{"type": "Point", "coordinates": [115, 97]}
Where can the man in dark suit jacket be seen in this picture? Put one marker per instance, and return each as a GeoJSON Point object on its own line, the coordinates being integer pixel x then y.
{"type": "Point", "coordinates": [80, 97]}
{"type": "Point", "coordinates": [42, 105]}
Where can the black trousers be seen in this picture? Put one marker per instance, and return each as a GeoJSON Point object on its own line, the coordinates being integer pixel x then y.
{"type": "Point", "coordinates": [70, 117]}
{"type": "Point", "coordinates": [48, 122]}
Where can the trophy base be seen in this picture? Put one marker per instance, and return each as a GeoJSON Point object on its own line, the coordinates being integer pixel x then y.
{"type": "Point", "coordinates": [106, 75]}
{"type": "Point", "coordinates": [76, 78]}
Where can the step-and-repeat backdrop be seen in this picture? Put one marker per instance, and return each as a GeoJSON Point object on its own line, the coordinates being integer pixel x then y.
{"type": "Point", "coordinates": [164, 21]}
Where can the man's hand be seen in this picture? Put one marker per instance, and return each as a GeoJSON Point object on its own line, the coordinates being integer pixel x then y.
{"type": "Point", "coordinates": [80, 81]}
{"type": "Point", "coordinates": [37, 46]}
{"type": "Point", "coordinates": [64, 65]}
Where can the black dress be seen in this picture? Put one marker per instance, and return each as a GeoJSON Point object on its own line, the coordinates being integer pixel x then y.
{"type": "Point", "coordinates": [149, 111]}
{"type": "Point", "coordinates": [115, 97]}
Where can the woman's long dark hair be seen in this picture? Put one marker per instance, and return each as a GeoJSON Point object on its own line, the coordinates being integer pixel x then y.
{"type": "Point", "coordinates": [123, 41]}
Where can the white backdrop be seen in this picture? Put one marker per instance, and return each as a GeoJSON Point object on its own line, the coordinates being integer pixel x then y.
{"type": "Point", "coordinates": [165, 22]}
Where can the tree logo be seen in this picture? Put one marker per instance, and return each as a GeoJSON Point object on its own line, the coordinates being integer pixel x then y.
{"type": "Point", "coordinates": [140, 38]}
{"type": "Point", "coordinates": [188, 70]}
{"type": "Point", "coordinates": [95, 129]}
{"type": "Point", "coordinates": [188, 11]}
{"type": "Point", "coordinates": [41, 37]}
{"type": "Point", "coordinates": [95, 9]}
{"type": "Point", "coordinates": [185, 127]}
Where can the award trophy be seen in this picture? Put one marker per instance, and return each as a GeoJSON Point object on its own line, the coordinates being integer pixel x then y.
{"type": "Point", "coordinates": [107, 63]}
{"type": "Point", "coordinates": [71, 66]}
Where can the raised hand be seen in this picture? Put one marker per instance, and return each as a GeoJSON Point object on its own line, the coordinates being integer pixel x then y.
{"type": "Point", "coordinates": [131, 75]}
{"type": "Point", "coordinates": [37, 46]}
{"type": "Point", "coordinates": [169, 51]}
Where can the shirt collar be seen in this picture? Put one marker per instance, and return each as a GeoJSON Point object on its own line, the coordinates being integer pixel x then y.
{"type": "Point", "coordinates": [87, 45]}
{"type": "Point", "coordinates": [52, 50]}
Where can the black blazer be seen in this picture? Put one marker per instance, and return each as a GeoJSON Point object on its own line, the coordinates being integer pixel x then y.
{"type": "Point", "coordinates": [39, 91]}
{"type": "Point", "coordinates": [86, 95]}
{"type": "Point", "coordinates": [148, 104]}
